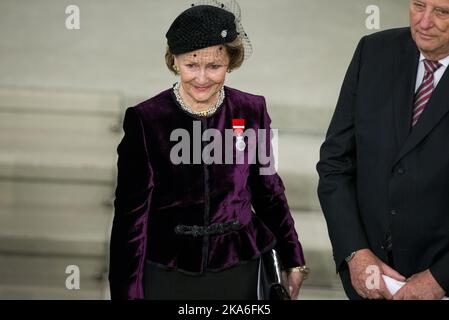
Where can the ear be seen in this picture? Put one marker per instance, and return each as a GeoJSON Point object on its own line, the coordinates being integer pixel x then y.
{"type": "Point", "coordinates": [176, 60]}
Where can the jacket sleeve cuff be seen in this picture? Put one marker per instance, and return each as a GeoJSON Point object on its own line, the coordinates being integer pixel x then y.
{"type": "Point", "coordinates": [440, 271]}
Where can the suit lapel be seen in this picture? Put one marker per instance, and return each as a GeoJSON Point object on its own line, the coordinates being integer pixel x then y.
{"type": "Point", "coordinates": [404, 75]}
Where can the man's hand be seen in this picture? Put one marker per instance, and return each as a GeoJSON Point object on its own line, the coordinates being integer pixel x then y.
{"type": "Point", "coordinates": [295, 280]}
{"type": "Point", "coordinates": [358, 266]}
{"type": "Point", "coordinates": [421, 286]}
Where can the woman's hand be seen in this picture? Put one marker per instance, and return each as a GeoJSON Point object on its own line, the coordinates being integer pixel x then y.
{"type": "Point", "coordinates": [295, 280]}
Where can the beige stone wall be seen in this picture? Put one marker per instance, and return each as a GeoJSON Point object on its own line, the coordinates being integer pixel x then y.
{"type": "Point", "coordinates": [301, 47]}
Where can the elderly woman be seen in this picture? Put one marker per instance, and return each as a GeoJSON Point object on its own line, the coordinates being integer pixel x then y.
{"type": "Point", "coordinates": [184, 226]}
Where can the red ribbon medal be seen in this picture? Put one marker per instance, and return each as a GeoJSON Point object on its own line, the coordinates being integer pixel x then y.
{"type": "Point", "coordinates": [239, 126]}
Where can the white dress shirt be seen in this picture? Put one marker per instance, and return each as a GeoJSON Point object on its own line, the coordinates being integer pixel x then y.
{"type": "Point", "coordinates": [436, 76]}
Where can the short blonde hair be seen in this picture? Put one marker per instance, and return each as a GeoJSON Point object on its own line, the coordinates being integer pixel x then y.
{"type": "Point", "coordinates": [234, 49]}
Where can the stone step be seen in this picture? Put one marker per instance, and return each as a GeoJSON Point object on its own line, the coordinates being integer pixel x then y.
{"type": "Point", "coordinates": [54, 217]}
{"type": "Point", "coordinates": [28, 132]}
{"type": "Point", "coordinates": [59, 101]}
{"type": "Point", "coordinates": [301, 119]}
{"type": "Point", "coordinates": [57, 171]}
{"type": "Point", "coordinates": [57, 167]}
{"type": "Point", "coordinates": [298, 156]}
{"type": "Point", "coordinates": [27, 292]}
{"type": "Point", "coordinates": [321, 293]}
{"type": "Point", "coordinates": [58, 134]}
{"type": "Point", "coordinates": [32, 150]}
{"type": "Point", "coordinates": [312, 232]}
{"type": "Point", "coordinates": [27, 276]}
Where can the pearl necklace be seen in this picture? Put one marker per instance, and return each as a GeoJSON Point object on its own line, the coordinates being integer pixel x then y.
{"type": "Point", "coordinates": [203, 113]}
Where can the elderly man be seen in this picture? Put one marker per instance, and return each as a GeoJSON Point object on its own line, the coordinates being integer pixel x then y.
{"type": "Point", "coordinates": [384, 166]}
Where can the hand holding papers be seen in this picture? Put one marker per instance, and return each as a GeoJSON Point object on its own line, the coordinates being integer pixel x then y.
{"type": "Point", "coordinates": [394, 285]}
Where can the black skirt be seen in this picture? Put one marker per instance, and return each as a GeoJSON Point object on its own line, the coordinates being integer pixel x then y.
{"type": "Point", "coordinates": [236, 283]}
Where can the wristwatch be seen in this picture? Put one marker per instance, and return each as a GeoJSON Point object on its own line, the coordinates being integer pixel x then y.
{"type": "Point", "coordinates": [349, 258]}
{"type": "Point", "coordinates": [303, 269]}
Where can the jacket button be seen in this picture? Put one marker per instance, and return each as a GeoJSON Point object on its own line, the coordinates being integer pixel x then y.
{"type": "Point", "coordinates": [401, 171]}
{"type": "Point", "coordinates": [393, 212]}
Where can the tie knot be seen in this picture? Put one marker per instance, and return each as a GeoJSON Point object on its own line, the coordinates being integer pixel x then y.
{"type": "Point", "coordinates": [431, 66]}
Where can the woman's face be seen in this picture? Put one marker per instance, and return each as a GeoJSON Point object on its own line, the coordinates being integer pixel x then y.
{"type": "Point", "coordinates": [202, 73]}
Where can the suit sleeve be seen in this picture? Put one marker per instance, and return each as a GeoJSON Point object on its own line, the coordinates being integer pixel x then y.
{"type": "Point", "coordinates": [132, 202]}
{"type": "Point", "coordinates": [337, 170]}
{"type": "Point", "coordinates": [270, 203]}
{"type": "Point", "coordinates": [440, 271]}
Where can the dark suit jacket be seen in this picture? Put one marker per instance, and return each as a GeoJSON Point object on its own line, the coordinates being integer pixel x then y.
{"type": "Point", "coordinates": [379, 176]}
{"type": "Point", "coordinates": [155, 197]}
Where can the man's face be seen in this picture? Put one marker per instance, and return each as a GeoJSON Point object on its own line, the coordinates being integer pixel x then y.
{"type": "Point", "coordinates": [429, 23]}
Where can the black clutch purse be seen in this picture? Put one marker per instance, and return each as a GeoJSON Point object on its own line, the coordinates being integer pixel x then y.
{"type": "Point", "coordinates": [271, 284]}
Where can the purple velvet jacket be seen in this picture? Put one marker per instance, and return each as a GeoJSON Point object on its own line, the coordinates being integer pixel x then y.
{"type": "Point", "coordinates": [154, 197]}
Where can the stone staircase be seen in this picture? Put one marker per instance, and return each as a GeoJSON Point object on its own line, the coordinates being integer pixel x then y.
{"type": "Point", "coordinates": [57, 171]}
{"type": "Point", "coordinates": [298, 155]}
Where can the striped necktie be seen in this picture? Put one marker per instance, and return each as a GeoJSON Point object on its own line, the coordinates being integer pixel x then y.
{"type": "Point", "coordinates": [425, 90]}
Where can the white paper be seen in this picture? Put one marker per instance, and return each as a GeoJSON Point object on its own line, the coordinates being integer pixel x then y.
{"type": "Point", "coordinates": [394, 285]}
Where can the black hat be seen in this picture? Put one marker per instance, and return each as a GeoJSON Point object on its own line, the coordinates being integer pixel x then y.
{"type": "Point", "coordinates": [200, 27]}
